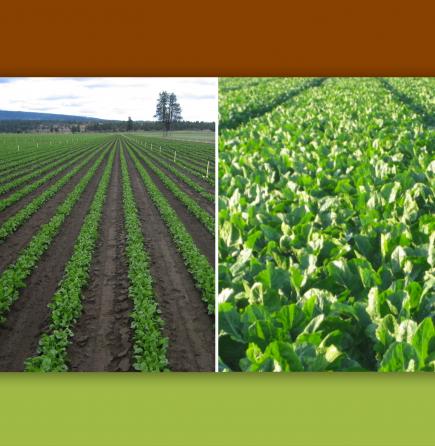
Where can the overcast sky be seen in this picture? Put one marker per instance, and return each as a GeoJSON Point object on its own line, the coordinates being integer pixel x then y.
{"type": "Point", "coordinates": [109, 98]}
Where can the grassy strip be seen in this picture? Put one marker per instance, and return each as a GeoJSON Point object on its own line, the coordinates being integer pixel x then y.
{"type": "Point", "coordinates": [203, 216]}
{"type": "Point", "coordinates": [14, 222]}
{"type": "Point", "coordinates": [66, 305]}
{"type": "Point", "coordinates": [16, 196]}
{"type": "Point", "coordinates": [149, 344]}
{"type": "Point", "coordinates": [196, 263]}
{"type": "Point", "coordinates": [191, 183]}
{"type": "Point", "coordinates": [36, 172]}
{"type": "Point", "coordinates": [12, 278]}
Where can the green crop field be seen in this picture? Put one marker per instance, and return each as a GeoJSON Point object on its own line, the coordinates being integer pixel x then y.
{"type": "Point", "coordinates": [106, 253]}
{"type": "Point", "coordinates": [326, 224]}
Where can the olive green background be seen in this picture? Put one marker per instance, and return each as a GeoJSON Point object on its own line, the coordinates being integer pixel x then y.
{"type": "Point", "coordinates": [204, 409]}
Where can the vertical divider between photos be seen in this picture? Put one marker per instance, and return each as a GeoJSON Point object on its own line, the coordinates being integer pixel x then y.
{"type": "Point", "coordinates": [216, 186]}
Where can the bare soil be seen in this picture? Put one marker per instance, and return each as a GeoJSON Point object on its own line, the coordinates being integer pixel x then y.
{"type": "Point", "coordinates": [188, 327]}
{"type": "Point", "coordinates": [102, 337]}
{"type": "Point", "coordinates": [15, 242]}
{"type": "Point", "coordinates": [202, 238]}
{"type": "Point", "coordinates": [29, 315]}
{"type": "Point", "coordinates": [205, 204]}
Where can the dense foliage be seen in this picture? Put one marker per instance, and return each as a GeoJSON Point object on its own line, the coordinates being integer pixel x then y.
{"type": "Point", "coordinates": [327, 232]}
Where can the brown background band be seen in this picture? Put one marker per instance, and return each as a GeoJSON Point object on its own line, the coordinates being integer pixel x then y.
{"type": "Point", "coordinates": [223, 38]}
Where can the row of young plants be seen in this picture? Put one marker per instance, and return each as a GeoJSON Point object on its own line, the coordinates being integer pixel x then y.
{"type": "Point", "coordinates": [198, 173]}
{"type": "Point", "coordinates": [13, 277]}
{"type": "Point", "coordinates": [66, 304]}
{"type": "Point", "coordinates": [36, 172]}
{"type": "Point", "coordinates": [196, 263]}
{"type": "Point", "coordinates": [192, 206]}
{"type": "Point", "coordinates": [20, 217]}
{"type": "Point", "coordinates": [327, 234]}
{"type": "Point", "coordinates": [29, 188]}
{"type": "Point", "coordinates": [193, 170]}
{"type": "Point", "coordinates": [181, 176]}
{"type": "Point", "coordinates": [196, 151]}
{"type": "Point", "coordinates": [186, 161]}
{"type": "Point", "coordinates": [21, 169]}
{"type": "Point", "coordinates": [149, 344]}
{"type": "Point", "coordinates": [19, 150]}
{"type": "Point", "coordinates": [187, 151]}
{"type": "Point", "coordinates": [240, 105]}
{"type": "Point", "coordinates": [183, 160]}
{"type": "Point", "coordinates": [420, 91]}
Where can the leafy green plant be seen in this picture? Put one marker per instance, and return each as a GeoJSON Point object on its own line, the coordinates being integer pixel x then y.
{"type": "Point", "coordinates": [196, 263]}
{"type": "Point", "coordinates": [13, 277]}
{"type": "Point", "coordinates": [15, 221]}
{"type": "Point", "coordinates": [66, 158]}
{"type": "Point", "coordinates": [66, 304]}
{"type": "Point", "coordinates": [326, 234]}
{"type": "Point", "coordinates": [150, 346]}
{"type": "Point", "coordinates": [203, 216]}
{"type": "Point", "coordinates": [184, 178]}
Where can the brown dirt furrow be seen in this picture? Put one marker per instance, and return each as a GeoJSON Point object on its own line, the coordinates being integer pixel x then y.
{"type": "Point", "coordinates": [29, 315]}
{"type": "Point", "coordinates": [187, 325]}
{"type": "Point", "coordinates": [14, 208]}
{"type": "Point", "coordinates": [202, 238]}
{"type": "Point", "coordinates": [102, 336]}
{"type": "Point", "coordinates": [14, 243]}
{"type": "Point", "coordinates": [205, 204]}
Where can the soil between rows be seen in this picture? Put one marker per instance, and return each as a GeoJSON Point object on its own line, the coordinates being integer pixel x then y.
{"type": "Point", "coordinates": [102, 336]}
{"type": "Point", "coordinates": [200, 235]}
{"type": "Point", "coordinates": [15, 242]}
{"type": "Point", "coordinates": [29, 315]}
{"type": "Point", "coordinates": [187, 325]}
{"type": "Point", "coordinates": [205, 204]}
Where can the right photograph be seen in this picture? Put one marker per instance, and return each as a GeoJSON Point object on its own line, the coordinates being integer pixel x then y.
{"type": "Point", "coordinates": [326, 253]}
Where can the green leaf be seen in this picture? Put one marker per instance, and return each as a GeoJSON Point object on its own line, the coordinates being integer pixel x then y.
{"type": "Point", "coordinates": [424, 334]}
{"type": "Point", "coordinates": [229, 322]}
{"type": "Point", "coordinates": [400, 357]}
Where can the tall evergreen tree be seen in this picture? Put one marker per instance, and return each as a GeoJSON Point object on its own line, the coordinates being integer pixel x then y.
{"type": "Point", "coordinates": [168, 110]}
{"type": "Point", "coordinates": [129, 124]}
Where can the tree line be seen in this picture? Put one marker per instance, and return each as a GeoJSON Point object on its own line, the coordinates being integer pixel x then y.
{"type": "Point", "coordinates": [168, 115]}
{"type": "Point", "coordinates": [98, 126]}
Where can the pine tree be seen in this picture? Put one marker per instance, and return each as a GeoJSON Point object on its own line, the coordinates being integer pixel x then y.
{"type": "Point", "coordinates": [168, 110]}
{"type": "Point", "coordinates": [129, 124]}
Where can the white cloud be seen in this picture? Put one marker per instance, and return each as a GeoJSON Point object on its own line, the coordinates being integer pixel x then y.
{"type": "Point", "coordinates": [109, 98]}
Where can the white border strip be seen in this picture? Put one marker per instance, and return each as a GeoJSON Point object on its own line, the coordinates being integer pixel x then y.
{"type": "Point", "coordinates": [216, 186]}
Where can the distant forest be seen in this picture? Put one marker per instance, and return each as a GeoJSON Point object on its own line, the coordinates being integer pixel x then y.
{"type": "Point", "coordinates": [55, 126]}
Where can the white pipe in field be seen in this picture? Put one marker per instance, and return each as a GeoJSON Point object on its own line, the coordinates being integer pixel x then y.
{"type": "Point", "coordinates": [208, 165]}
{"type": "Point", "coordinates": [175, 155]}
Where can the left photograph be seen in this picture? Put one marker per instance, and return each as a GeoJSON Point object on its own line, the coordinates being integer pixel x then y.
{"type": "Point", "coordinates": [107, 224]}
